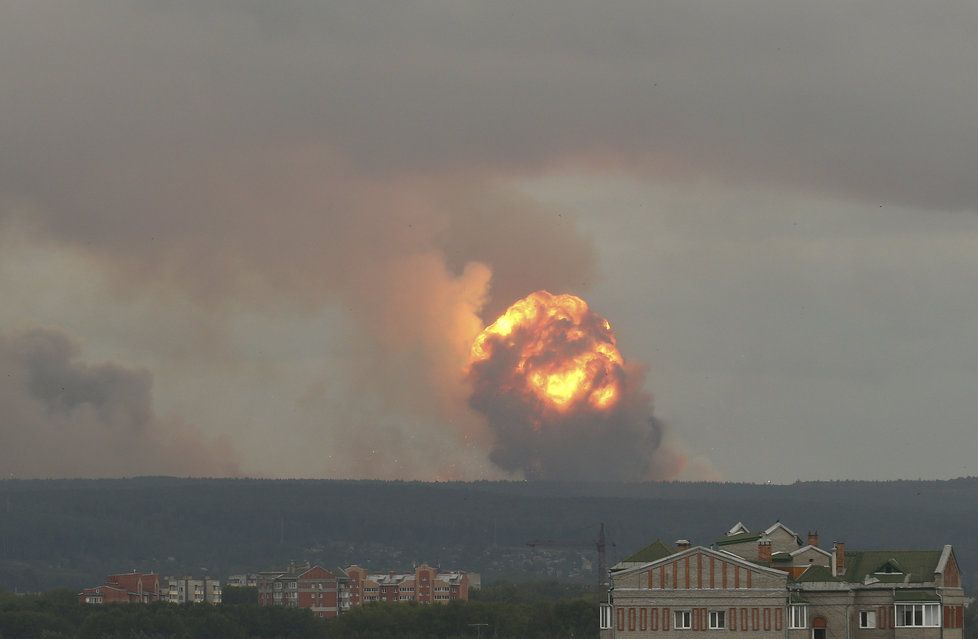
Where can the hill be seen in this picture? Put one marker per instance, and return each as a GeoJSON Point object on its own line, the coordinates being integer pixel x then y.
{"type": "Point", "coordinates": [69, 533]}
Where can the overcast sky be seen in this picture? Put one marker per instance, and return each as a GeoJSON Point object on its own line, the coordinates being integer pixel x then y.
{"type": "Point", "coordinates": [256, 238]}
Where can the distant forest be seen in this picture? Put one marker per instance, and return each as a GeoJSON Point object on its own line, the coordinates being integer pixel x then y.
{"type": "Point", "coordinates": [71, 533]}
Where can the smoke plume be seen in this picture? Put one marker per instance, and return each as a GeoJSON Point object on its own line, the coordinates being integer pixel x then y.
{"type": "Point", "coordinates": [65, 418]}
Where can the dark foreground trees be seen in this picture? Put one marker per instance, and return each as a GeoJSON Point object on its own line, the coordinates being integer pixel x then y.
{"type": "Point", "coordinates": [58, 615]}
{"type": "Point", "coordinates": [544, 620]}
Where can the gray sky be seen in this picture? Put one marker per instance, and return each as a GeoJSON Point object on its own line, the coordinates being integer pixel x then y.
{"type": "Point", "coordinates": [258, 238]}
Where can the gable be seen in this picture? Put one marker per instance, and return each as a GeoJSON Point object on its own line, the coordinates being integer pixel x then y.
{"type": "Point", "coordinates": [778, 526]}
{"type": "Point", "coordinates": [317, 572]}
{"type": "Point", "coordinates": [810, 556]}
{"type": "Point", "coordinates": [782, 539]}
{"type": "Point", "coordinates": [950, 572]}
{"type": "Point", "coordinates": [889, 567]}
{"type": "Point", "coordinates": [699, 569]}
{"type": "Point", "coordinates": [811, 549]}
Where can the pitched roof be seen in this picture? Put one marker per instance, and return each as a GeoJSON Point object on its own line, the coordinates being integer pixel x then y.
{"type": "Point", "coordinates": [810, 547]}
{"type": "Point", "coordinates": [817, 574]}
{"type": "Point", "coordinates": [777, 525]}
{"type": "Point", "coordinates": [738, 538]}
{"type": "Point", "coordinates": [654, 551]}
{"type": "Point", "coordinates": [920, 565]}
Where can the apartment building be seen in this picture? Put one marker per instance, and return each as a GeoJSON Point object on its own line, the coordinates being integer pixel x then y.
{"type": "Point", "coordinates": [130, 587]}
{"type": "Point", "coordinates": [301, 586]}
{"type": "Point", "coordinates": [772, 584]}
{"type": "Point", "coordinates": [182, 590]}
{"type": "Point", "coordinates": [425, 585]}
{"type": "Point", "coordinates": [246, 580]}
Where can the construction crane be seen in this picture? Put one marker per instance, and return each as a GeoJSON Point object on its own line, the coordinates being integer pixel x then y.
{"type": "Point", "coordinates": [598, 544]}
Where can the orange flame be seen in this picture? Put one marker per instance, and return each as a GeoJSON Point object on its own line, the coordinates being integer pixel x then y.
{"type": "Point", "coordinates": [564, 354]}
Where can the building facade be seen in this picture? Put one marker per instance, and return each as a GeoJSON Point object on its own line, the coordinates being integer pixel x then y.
{"type": "Point", "coordinates": [246, 580]}
{"type": "Point", "coordinates": [773, 584]}
{"type": "Point", "coordinates": [301, 586]}
{"type": "Point", "coordinates": [183, 590]}
{"type": "Point", "coordinates": [426, 585]}
{"type": "Point", "coordinates": [132, 587]}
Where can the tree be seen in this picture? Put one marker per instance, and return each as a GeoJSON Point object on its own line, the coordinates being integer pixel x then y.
{"type": "Point", "coordinates": [235, 595]}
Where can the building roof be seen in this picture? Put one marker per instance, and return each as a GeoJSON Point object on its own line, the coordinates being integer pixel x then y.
{"type": "Point", "coordinates": [920, 565]}
{"type": "Point", "coordinates": [817, 574]}
{"type": "Point", "coordinates": [654, 551]}
{"type": "Point", "coordinates": [810, 547]}
{"type": "Point", "coordinates": [739, 534]}
{"type": "Point", "coordinates": [913, 566]}
{"type": "Point", "coordinates": [777, 525]}
{"type": "Point", "coordinates": [738, 538]}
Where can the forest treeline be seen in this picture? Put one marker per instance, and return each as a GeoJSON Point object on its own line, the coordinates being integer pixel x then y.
{"type": "Point", "coordinates": [58, 615]}
{"type": "Point", "coordinates": [71, 533]}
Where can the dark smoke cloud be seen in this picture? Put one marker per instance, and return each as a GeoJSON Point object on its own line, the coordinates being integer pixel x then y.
{"type": "Point", "coordinates": [619, 445]}
{"type": "Point", "coordinates": [65, 418]}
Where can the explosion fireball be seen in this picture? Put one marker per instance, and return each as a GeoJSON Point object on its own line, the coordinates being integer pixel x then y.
{"type": "Point", "coordinates": [565, 355]}
{"type": "Point", "coordinates": [558, 396]}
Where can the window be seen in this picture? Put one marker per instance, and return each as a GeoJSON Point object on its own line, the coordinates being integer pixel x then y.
{"type": "Point", "coordinates": [867, 618]}
{"type": "Point", "coordinates": [913, 615]}
{"type": "Point", "coordinates": [798, 617]}
{"type": "Point", "coordinates": [718, 619]}
{"type": "Point", "coordinates": [682, 620]}
{"type": "Point", "coordinates": [604, 617]}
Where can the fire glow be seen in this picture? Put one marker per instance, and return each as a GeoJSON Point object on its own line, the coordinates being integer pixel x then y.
{"type": "Point", "coordinates": [560, 354]}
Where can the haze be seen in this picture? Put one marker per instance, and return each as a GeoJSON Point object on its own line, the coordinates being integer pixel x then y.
{"type": "Point", "coordinates": [248, 238]}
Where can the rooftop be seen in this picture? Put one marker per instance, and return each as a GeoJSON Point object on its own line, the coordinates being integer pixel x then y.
{"type": "Point", "coordinates": [653, 552]}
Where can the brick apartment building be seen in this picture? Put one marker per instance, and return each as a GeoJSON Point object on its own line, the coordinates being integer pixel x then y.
{"type": "Point", "coordinates": [425, 585]}
{"type": "Point", "coordinates": [772, 585]}
{"type": "Point", "coordinates": [301, 586]}
{"type": "Point", "coordinates": [132, 587]}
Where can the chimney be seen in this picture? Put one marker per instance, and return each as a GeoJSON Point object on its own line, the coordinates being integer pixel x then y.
{"type": "Point", "coordinates": [840, 558]}
{"type": "Point", "coordinates": [682, 544]}
{"type": "Point", "coordinates": [813, 538]}
{"type": "Point", "coordinates": [764, 550]}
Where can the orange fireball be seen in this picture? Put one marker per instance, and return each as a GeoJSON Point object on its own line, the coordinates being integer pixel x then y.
{"type": "Point", "coordinates": [557, 350]}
